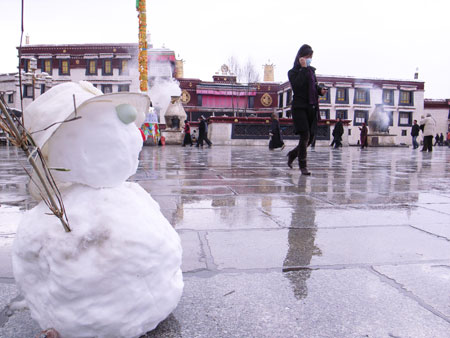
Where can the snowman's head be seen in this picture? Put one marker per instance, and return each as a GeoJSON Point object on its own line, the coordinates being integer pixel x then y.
{"type": "Point", "coordinates": [101, 148]}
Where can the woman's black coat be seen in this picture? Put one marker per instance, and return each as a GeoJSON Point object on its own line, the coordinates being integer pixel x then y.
{"type": "Point", "coordinates": [304, 114]}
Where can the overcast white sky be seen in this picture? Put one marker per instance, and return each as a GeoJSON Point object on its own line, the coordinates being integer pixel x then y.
{"type": "Point", "coordinates": [382, 39]}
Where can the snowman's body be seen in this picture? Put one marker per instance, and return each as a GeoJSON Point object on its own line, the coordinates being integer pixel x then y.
{"type": "Point", "coordinates": [117, 273]}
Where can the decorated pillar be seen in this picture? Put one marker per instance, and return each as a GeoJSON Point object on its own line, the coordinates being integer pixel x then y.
{"type": "Point", "coordinates": [142, 58]}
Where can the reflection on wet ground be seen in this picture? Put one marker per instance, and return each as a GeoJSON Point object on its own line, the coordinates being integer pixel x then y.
{"type": "Point", "coordinates": [360, 248]}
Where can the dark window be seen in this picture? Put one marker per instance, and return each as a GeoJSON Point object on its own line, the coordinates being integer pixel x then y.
{"type": "Point", "coordinates": [10, 98]}
{"type": "Point", "coordinates": [288, 97]}
{"type": "Point", "coordinates": [349, 131]}
{"type": "Point", "coordinates": [107, 67]}
{"type": "Point", "coordinates": [406, 98]}
{"type": "Point", "coordinates": [123, 68]}
{"type": "Point", "coordinates": [362, 96]}
{"type": "Point", "coordinates": [107, 88]}
{"type": "Point", "coordinates": [64, 67]}
{"type": "Point", "coordinates": [46, 66]}
{"type": "Point", "coordinates": [361, 116]}
{"type": "Point", "coordinates": [342, 114]}
{"type": "Point", "coordinates": [342, 95]}
{"type": "Point", "coordinates": [325, 98]}
{"type": "Point", "coordinates": [91, 67]}
{"type": "Point", "coordinates": [325, 114]}
{"type": "Point", "coordinates": [42, 89]}
{"type": "Point", "coordinates": [280, 100]}
{"type": "Point", "coordinates": [124, 88]}
{"type": "Point", "coordinates": [388, 97]}
{"type": "Point", "coordinates": [199, 100]}
{"type": "Point", "coordinates": [404, 132]}
{"type": "Point", "coordinates": [28, 91]}
{"type": "Point", "coordinates": [251, 102]}
{"type": "Point", "coordinates": [404, 118]}
{"type": "Point", "coordinates": [26, 65]}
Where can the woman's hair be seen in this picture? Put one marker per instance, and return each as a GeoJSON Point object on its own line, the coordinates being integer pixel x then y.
{"type": "Point", "coordinates": [303, 51]}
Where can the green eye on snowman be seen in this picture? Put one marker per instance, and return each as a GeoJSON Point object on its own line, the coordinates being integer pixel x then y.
{"type": "Point", "coordinates": [126, 113]}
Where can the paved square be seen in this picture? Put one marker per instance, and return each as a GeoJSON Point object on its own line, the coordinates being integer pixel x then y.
{"type": "Point", "coordinates": [359, 249]}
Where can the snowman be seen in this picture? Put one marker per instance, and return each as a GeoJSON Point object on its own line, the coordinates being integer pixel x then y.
{"type": "Point", "coordinates": [117, 273]}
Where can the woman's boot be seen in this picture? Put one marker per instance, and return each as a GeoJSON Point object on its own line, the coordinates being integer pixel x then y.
{"type": "Point", "coordinates": [291, 157]}
{"type": "Point", "coordinates": [303, 169]}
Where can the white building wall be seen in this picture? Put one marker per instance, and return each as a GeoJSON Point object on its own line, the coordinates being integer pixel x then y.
{"type": "Point", "coordinates": [441, 115]}
{"type": "Point", "coordinates": [376, 97]}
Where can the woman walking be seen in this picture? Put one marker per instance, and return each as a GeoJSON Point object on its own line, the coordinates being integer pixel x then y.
{"type": "Point", "coordinates": [187, 134]}
{"type": "Point", "coordinates": [276, 140]}
{"type": "Point", "coordinates": [363, 136]}
{"type": "Point", "coordinates": [305, 105]}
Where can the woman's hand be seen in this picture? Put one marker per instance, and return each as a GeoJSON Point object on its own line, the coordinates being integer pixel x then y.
{"type": "Point", "coordinates": [302, 61]}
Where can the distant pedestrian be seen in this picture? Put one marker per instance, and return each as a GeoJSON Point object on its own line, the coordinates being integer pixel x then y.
{"type": "Point", "coordinates": [429, 126]}
{"type": "Point", "coordinates": [276, 139]}
{"type": "Point", "coordinates": [441, 139]}
{"type": "Point", "coordinates": [187, 134]}
{"type": "Point", "coordinates": [338, 131]}
{"type": "Point", "coordinates": [448, 139]}
{"type": "Point", "coordinates": [363, 136]}
{"type": "Point", "coordinates": [436, 140]}
{"type": "Point", "coordinates": [202, 135]}
{"type": "Point", "coordinates": [414, 134]}
{"type": "Point", "coordinates": [305, 105]}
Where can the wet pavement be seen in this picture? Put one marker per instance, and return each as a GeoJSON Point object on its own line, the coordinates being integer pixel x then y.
{"type": "Point", "coordinates": [359, 249]}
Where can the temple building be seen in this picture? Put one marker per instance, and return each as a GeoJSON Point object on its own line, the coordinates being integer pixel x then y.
{"type": "Point", "coordinates": [354, 99]}
{"type": "Point", "coordinates": [113, 68]}
{"type": "Point", "coordinates": [109, 67]}
{"type": "Point", "coordinates": [224, 96]}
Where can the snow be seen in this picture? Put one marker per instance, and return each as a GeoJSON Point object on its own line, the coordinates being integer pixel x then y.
{"type": "Point", "coordinates": [98, 149]}
{"type": "Point", "coordinates": [117, 273]}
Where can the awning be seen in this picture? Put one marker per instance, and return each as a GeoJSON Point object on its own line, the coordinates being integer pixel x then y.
{"type": "Point", "coordinates": [225, 92]}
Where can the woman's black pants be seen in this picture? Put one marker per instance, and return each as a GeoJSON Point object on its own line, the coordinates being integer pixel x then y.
{"type": "Point", "coordinates": [300, 150]}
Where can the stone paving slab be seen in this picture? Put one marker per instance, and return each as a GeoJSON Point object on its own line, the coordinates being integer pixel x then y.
{"type": "Point", "coordinates": [324, 303]}
{"type": "Point", "coordinates": [429, 282]}
{"type": "Point", "coordinates": [442, 230]}
{"type": "Point", "coordinates": [264, 249]}
{"type": "Point", "coordinates": [278, 304]}
{"type": "Point", "coordinates": [359, 249]}
{"type": "Point", "coordinates": [223, 218]}
{"type": "Point", "coordinates": [352, 216]}
{"type": "Point", "coordinates": [440, 207]}
{"type": "Point", "coordinates": [194, 257]}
